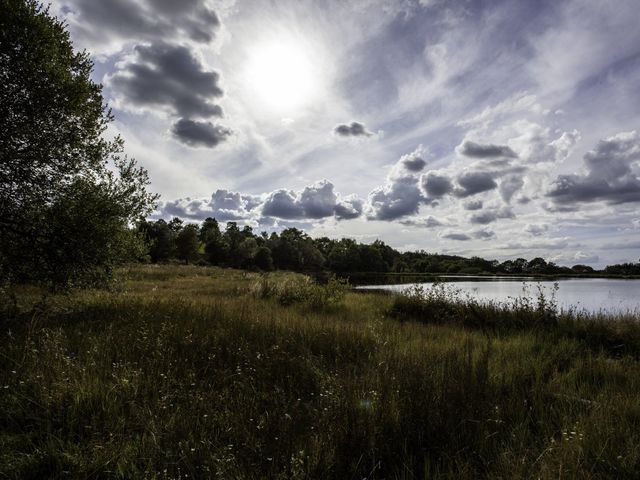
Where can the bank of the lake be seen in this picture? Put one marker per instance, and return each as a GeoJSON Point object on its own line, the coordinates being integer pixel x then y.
{"type": "Point", "coordinates": [593, 295]}
{"type": "Point", "coordinates": [215, 373]}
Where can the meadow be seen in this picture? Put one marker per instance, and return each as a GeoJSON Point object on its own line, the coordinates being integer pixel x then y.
{"type": "Point", "coordinates": [203, 372]}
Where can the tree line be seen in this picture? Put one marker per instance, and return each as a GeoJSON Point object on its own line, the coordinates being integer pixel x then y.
{"type": "Point", "coordinates": [293, 249]}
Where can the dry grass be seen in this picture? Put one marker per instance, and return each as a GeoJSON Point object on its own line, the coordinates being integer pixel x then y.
{"type": "Point", "coordinates": [185, 373]}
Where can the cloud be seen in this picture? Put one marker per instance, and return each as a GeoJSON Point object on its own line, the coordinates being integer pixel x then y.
{"type": "Point", "coordinates": [168, 77]}
{"type": "Point", "coordinates": [107, 24]}
{"type": "Point", "coordinates": [536, 144]}
{"type": "Point", "coordinates": [486, 217]}
{"type": "Point", "coordinates": [612, 174]}
{"type": "Point", "coordinates": [477, 150]}
{"type": "Point", "coordinates": [282, 204]}
{"type": "Point", "coordinates": [435, 185]}
{"type": "Point", "coordinates": [313, 202]}
{"type": "Point", "coordinates": [517, 103]}
{"type": "Point", "coordinates": [355, 129]}
{"type": "Point", "coordinates": [549, 244]}
{"type": "Point", "coordinates": [318, 200]}
{"type": "Point", "coordinates": [224, 205]}
{"type": "Point", "coordinates": [199, 134]}
{"type": "Point", "coordinates": [400, 196]}
{"type": "Point", "coordinates": [348, 207]}
{"type": "Point", "coordinates": [413, 162]}
{"type": "Point", "coordinates": [509, 185]}
{"type": "Point", "coordinates": [536, 229]}
{"type": "Point", "coordinates": [472, 183]}
{"type": "Point", "coordinates": [473, 205]}
{"type": "Point", "coordinates": [483, 234]}
{"type": "Point", "coordinates": [394, 200]}
{"type": "Point", "coordinates": [462, 237]}
{"type": "Point", "coordinates": [629, 244]}
{"type": "Point", "coordinates": [427, 222]}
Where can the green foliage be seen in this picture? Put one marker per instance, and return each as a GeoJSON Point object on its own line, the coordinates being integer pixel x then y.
{"type": "Point", "coordinates": [187, 243]}
{"type": "Point", "coordinates": [302, 290]}
{"type": "Point", "coordinates": [294, 250]}
{"type": "Point", "coordinates": [262, 259]}
{"type": "Point", "coordinates": [623, 269]}
{"type": "Point", "coordinates": [67, 195]}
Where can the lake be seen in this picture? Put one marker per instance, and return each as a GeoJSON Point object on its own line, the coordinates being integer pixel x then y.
{"type": "Point", "coordinates": [590, 294]}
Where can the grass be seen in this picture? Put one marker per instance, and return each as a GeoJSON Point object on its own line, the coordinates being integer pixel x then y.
{"type": "Point", "coordinates": [192, 372]}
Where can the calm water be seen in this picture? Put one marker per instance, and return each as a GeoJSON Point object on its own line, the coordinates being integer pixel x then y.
{"type": "Point", "coordinates": [590, 294]}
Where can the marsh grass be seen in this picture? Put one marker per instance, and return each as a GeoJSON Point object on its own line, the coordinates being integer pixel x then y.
{"type": "Point", "coordinates": [301, 290]}
{"type": "Point", "coordinates": [189, 372]}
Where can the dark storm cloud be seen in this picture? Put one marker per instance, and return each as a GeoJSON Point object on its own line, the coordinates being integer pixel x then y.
{"type": "Point", "coordinates": [355, 129]}
{"type": "Point", "coordinates": [199, 134]}
{"type": "Point", "coordinates": [613, 174]}
{"type": "Point", "coordinates": [436, 186]}
{"type": "Point", "coordinates": [477, 150]}
{"type": "Point", "coordinates": [472, 183]}
{"type": "Point", "coordinates": [169, 77]}
{"type": "Point", "coordinates": [130, 20]}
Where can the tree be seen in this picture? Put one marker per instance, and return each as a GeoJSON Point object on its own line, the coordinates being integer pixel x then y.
{"type": "Point", "coordinates": [582, 269]}
{"type": "Point", "coordinates": [68, 196]}
{"type": "Point", "coordinates": [175, 225]}
{"type": "Point", "coordinates": [536, 265]}
{"type": "Point", "coordinates": [246, 251]}
{"type": "Point", "coordinates": [187, 243]}
{"type": "Point", "coordinates": [160, 239]}
{"type": "Point", "coordinates": [263, 260]}
{"type": "Point", "coordinates": [209, 230]}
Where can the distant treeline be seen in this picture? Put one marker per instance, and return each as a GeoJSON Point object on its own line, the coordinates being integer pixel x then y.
{"type": "Point", "coordinates": [294, 250]}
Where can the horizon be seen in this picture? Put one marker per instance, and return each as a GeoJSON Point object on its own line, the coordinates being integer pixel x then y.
{"type": "Point", "coordinates": [495, 129]}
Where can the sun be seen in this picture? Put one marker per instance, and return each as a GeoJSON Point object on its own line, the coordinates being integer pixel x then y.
{"type": "Point", "coordinates": [281, 76]}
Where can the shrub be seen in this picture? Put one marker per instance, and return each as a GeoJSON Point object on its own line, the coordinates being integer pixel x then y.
{"type": "Point", "coordinates": [302, 290]}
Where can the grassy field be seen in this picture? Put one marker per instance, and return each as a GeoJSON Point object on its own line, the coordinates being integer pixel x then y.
{"type": "Point", "coordinates": [193, 372]}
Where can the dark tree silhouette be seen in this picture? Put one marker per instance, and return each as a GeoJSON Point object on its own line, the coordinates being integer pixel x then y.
{"type": "Point", "coordinates": [67, 195]}
{"type": "Point", "coordinates": [187, 243]}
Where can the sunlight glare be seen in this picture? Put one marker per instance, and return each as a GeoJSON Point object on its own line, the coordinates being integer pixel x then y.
{"type": "Point", "coordinates": [281, 75]}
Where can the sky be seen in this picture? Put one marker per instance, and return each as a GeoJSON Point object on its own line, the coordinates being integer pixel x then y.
{"type": "Point", "coordinates": [493, 128]}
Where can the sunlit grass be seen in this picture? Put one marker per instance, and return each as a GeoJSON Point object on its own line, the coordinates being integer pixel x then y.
{"type": "Point", "coordinates": [184, 372]}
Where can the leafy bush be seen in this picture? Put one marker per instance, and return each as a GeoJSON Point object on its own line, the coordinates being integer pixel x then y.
{"type": "Point", "coordinates": [301, 290]}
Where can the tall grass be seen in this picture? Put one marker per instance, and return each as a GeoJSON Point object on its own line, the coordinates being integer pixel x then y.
{"type": "Point", "coordinates": [191, 373]}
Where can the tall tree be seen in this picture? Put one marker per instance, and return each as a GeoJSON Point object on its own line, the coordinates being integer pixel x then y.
{"type": "Point", "coordinates": [67, 194]}
{"type": "Point", "coordinates": [187, 243]}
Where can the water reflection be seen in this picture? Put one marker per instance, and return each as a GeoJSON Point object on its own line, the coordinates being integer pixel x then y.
{"type": "Point", "coordinates": [588, 294]}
